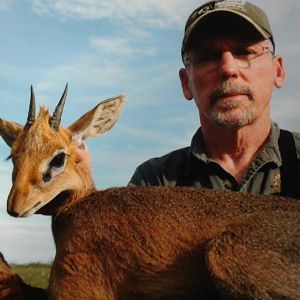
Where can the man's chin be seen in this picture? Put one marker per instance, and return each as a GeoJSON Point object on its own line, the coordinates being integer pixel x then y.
{"type": "Point", "coordinates": [233, 123]}
{"type": "Point", "coordinates": [232, 118]}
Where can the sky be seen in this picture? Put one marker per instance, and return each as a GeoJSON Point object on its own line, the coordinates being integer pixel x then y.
{"type": "Point", "coordinates": [102, 49]}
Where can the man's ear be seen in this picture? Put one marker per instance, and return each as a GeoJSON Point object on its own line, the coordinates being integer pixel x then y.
{"type": "Point", "coordinates": [184, 79]}
{"type": "Point", "coordinates": [279, 73]}
{"type": "Point", "coordinates": [98, 120]}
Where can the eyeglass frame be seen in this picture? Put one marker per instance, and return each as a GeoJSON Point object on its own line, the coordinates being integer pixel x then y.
{"type": "Point", "coordinates": [216, 59]}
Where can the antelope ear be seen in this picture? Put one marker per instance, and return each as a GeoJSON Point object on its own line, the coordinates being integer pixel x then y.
{"type": "Point", "coordinates": [9, 131]}
{"type": "Point", "coordinates": [98, 120]}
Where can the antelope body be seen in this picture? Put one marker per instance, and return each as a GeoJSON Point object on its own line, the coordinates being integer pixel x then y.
{"type": "Point", "coordinates": [147, 242]}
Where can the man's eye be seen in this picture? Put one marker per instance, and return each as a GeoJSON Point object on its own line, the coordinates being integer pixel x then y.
{"type": "Point", "coordinates": [205, 57]}
{"type": "Point", "coordinates": [243, 53]}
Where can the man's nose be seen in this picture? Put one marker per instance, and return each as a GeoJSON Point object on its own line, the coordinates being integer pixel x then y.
{"type": "Point", "coordinates": [228, 64]}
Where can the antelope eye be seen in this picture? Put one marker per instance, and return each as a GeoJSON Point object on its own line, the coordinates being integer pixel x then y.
{"type": "Point", "coordinates": [58, 161]}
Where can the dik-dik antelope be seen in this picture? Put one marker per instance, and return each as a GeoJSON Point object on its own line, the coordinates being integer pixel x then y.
{"type": "Point", "coordinates": [152, 242]}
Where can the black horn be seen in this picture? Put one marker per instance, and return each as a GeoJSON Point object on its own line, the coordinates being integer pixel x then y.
{"type": "Point", "coordinates": [31, 112]}
{"type": "Point", "coordinates": [56, 117]}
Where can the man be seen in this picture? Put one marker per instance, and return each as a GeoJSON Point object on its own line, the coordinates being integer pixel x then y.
{"type": "Point", "coordinates": [231, 70]}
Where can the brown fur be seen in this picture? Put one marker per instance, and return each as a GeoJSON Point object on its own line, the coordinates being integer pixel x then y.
{"type": "Point", "coordinates": [177, 243]}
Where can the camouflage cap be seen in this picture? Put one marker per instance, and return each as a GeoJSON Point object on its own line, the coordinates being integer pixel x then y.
{"type": "Point", "coordinates": [249, 12]}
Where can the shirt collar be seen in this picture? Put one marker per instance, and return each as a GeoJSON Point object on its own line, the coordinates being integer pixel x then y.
{"type": "Point", "coordinates": [270, 151]}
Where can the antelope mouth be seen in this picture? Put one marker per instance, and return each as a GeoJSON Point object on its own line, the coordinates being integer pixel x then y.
{"type": "Point", "coordinates": [57, 202]}
{"type": "Point", "coordinates": [31, 210]}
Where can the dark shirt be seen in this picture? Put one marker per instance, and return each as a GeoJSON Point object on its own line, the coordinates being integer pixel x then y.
{"type": "Point", "coordinates": [191, 166]}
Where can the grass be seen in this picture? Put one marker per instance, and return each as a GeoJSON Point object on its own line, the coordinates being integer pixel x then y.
{"type": "Point", "coordinates": [34, 274]}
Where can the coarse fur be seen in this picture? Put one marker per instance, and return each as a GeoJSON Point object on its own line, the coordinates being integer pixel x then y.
{"type": "Point", "coordinates": [148, 242]}
{"type": "Point", "coordinates": [177, 243]}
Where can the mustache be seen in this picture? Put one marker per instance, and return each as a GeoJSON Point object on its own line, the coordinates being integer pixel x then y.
{"type": "Point", "coordinates": [229, 88]}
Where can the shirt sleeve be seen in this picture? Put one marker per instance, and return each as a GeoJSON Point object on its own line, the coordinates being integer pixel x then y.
{"type": "Point", "coordinates": [145, 175]}
{"type": "Point", "coordinates": [161, 171]}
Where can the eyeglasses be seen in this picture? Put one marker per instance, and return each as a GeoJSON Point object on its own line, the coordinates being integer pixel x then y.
{"type": "Point", "coordinates": [210, 58]}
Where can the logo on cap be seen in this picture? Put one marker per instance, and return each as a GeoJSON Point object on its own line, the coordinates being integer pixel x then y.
{"type": "Point", "coordinates": [220, 4]}
{"type": "Point", "coordinates": [232, 4]}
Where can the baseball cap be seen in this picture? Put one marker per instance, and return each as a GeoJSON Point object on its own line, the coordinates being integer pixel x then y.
{"type": "Point", "coordinates": [245, 11]}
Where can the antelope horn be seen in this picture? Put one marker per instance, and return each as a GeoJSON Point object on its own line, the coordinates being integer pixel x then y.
{"type": "Point", "coordinates": [56, 117]}
{"type": "Point", "coordinates": [31, 112]}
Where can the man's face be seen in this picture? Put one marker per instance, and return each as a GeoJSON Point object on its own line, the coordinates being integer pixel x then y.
{"type": "Point", "coordinates": [231, 81]}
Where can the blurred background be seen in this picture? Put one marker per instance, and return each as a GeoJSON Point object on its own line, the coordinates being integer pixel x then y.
{"type": "Point", "coordinates": [104, 48]}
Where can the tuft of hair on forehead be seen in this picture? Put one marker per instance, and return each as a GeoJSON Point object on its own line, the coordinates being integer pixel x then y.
{"type": "Point", "coordinates": [42, 119]}
{"type": "Point", "coordinates": [42, 115]}
{"type": "Point", "coordinates": [40, 137]}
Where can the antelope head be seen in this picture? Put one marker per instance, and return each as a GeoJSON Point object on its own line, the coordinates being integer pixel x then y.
{"type": "Point", "coordinates": [46, 172]}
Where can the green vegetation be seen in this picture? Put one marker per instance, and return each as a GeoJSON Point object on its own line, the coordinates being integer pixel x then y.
{"type": "Point", "coordinates": [35, 274]}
